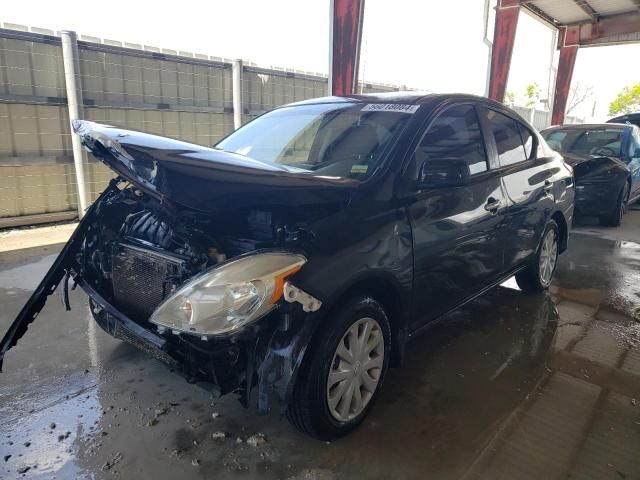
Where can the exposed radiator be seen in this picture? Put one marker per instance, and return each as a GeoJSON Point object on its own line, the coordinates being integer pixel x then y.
{"type": "Point", "coordinates": [142, 279]}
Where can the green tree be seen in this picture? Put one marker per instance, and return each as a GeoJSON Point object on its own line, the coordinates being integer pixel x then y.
{"type": "Point", "coordinates": [627, 101]}
{"type": "Point", "coordinates": [532, 93]}
{"type": "Point", "coordinates": [510, 98]}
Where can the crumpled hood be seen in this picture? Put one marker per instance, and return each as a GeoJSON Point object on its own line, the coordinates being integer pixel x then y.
{"type": "Point", "coordinates": [204, 178]}
{"type": "Point", "coordinates": [574, 159]}
{"type": "Point", "coordinates": [589, 166]}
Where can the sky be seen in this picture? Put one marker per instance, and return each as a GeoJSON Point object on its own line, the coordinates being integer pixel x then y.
{"type": "Point", "coordinates": [436, 46]}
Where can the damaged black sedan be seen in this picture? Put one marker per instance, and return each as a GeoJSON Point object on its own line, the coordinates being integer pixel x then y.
{"type": "Point", "coordinates": [291, 262]}
{"type": "Point", "coordinates": [606, 164]}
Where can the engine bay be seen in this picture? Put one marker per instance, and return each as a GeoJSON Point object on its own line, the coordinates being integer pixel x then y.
{"type": "Point", "coordinates": [139, 250]}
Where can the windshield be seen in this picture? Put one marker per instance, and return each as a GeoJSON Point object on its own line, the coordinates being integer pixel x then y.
{"type": "Point", "coordinates": [588, 141]}
{"type": "Point", "coordinates": [340, 140]}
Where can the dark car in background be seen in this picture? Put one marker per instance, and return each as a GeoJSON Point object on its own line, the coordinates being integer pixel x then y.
{"type": "Point", "coordinates": [606, 164]}
{"type": "Point", "coordinates": [632, 118]}
{"type": "Point", "coordinates": [296, 258]}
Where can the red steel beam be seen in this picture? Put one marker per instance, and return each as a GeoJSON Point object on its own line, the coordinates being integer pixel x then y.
{"type": "Point", "coordinates": [346, 32]}
{"type": "Point", "coordinates": [503, 38]}
{"type": "Point", "coordinates": [627, 23]}
{"type": "Point", "coordinates": [568, 52]}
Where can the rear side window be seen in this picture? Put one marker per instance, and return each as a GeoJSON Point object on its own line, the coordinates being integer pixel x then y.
{"type": "Point", "coordinates": [508, 140]}
{"type": "Point", "coordinates": [527, 140]}
{"type": "Point", "coordinates": [454, 136]}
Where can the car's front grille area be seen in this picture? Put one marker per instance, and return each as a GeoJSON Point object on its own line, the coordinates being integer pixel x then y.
{"type": "Point", "coordinates": [142, 279]}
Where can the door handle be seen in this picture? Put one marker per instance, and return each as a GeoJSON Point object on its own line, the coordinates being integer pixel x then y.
{"type": "Point", "coordinates": [492, 205]}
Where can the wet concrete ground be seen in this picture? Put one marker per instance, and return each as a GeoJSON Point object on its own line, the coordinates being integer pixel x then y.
{"type": "Point", "coordinates": [511, 386]}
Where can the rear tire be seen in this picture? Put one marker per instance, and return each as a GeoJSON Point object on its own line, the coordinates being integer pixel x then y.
{"type": "Point", "coordinates": [332, 396]}
{"type": "Point", "coordinates": [538, 275]}
{"type": "Point", "coordinates": [614, 219]}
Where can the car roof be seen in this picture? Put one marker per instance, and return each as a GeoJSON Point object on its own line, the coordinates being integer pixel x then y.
{"type": "Point", "coordinates": [584, 126]}
{"type": "Point", "coordinates": [410, 97]}
{"type": "Point", "coordinates": [625, 115]}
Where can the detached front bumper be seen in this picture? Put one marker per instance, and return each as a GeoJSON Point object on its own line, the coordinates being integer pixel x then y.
{"type": "Point", "coordinates": [595, 198]}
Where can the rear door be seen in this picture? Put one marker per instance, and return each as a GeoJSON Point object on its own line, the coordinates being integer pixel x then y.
{"type": "Point", "coordinates": [457, 246]}
{"type": "Point", "coordinates": [527, 179]}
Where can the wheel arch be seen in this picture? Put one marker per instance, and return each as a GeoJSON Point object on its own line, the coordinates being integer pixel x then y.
{"type": "Point", "coordinates": [386, 289]}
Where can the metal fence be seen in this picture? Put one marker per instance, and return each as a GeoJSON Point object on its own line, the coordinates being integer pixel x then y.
{"type": "Point", "coordinates": [542, 118]}
{"type": "Point", "coordinates": [177, 94]}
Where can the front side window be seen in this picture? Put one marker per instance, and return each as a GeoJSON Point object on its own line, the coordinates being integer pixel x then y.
{"type": "Point", "coordinates": [586, 141]}
{"type": "Point", "coordinates": [506, 133]}
{"type": "Point", "coordinates": [342, 140]}
{"type": "Point", "coordinates": [454, 136]}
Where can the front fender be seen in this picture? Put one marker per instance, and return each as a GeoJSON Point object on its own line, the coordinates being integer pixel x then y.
{"type": "Point", "coordinates": [280, 366]}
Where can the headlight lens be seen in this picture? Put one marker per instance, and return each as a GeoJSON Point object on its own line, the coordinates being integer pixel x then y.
{"type": "Point", "coordinates": [226, 298]}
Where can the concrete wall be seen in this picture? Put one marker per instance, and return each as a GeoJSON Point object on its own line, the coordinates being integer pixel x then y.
{"type": "Point", "coordinates": [177, 94]}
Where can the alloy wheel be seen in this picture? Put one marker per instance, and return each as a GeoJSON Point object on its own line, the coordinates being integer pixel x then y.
{"type": "Point", "coordinates": [548, 257]}
{"type": "Point", "coordinates": [356, 369]}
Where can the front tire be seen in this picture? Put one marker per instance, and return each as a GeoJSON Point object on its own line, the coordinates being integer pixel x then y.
{"type": "Point", "coordinates": [538, 275]}
{"type": "Point", "coordinates": [614, 219]}
{"type": "Point", "coordinates": [343, 372]}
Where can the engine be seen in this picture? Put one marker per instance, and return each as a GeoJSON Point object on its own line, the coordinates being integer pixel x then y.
{"type": "Point", "coordinates": [138, 251]}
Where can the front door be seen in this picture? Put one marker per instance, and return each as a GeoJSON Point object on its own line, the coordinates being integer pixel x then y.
{"type": "Point", "coordinates": [456, 229]}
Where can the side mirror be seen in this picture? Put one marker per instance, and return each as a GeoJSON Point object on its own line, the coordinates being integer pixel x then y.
{"type": "Point", "coordinates": [443, 172]}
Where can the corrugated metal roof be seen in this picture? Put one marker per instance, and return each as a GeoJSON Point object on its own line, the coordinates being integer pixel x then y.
{"type": "Point", "coordinates": [566, 12]}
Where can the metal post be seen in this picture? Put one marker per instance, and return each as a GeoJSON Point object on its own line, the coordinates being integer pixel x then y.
{"type": "Point", "coordinates": [569, 43]}
{"type": "Point", "coordinates": [332, 9]}
{"type": "Point", "coordinates": [73, 83]}
{"type": "Point", "coordinates": [345, 36]}
{"type": "Point", "coordinates": [503, 38]}
{"type": "Point", "coordinates": [237, 93]}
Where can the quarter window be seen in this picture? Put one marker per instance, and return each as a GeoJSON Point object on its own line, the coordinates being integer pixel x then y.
{"type": "Point", "coordinates": [455, 136]}
{"type": "Point", "coordinates": [507, 136]}
{"type": "Point", "coordinates": [527, 140]}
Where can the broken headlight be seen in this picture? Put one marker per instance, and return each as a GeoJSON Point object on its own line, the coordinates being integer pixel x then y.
{"type": "Point", "coordinates": [227, 297]}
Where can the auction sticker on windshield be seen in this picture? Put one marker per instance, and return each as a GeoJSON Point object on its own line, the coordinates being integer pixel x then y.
{"type": "Point", "coordinates": [390, 107]}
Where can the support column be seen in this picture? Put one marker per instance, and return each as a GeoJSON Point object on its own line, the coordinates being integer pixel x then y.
{"type": "Point", "coordinates": [504, 36]}
{"type": "Point", "coordinates": [237, 93]}
{"type": "Point", "coordinates": [345, 34]}
{"type": "Point", "coordinates": [73, 82]}
{"type": "Point", "coordinates": [568, 53]}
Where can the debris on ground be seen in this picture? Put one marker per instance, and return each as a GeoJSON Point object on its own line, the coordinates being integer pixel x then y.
{"type": "Point", "coordinates": [63, 436]}
{"type": "Point", "coordinates": [153, 422]}
{"type": "Point", "coordinates": [52, 426]}
{"type": "Point", "coordinates": [27, 444]}
{"type": "Point", "coordinates": [7, 457]}
{"type": "Point", "coordinates": [218, 435]}
{"type": "Point", "coordinates": [239, 440]}
{"type": "Point", "coordinates": [24, 469]}
{"type": "Point", "coordinates": [215, 415]}
{"type": "Point", "coordinates": [109, 464]}
{"type": "Point", "coordinates": [195, 462]}
{"type": "Point", "coordinates": [161, 411]}
{"type": "Point", "coordinates": [256, 440]}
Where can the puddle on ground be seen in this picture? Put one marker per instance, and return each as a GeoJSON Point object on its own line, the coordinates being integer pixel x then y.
{"type": "Point", "coordinates": [449, 411]}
